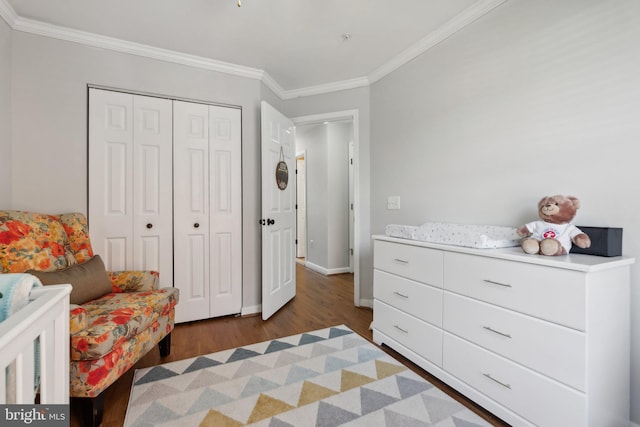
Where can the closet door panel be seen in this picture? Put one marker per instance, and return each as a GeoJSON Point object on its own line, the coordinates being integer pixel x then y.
{"type": "Point", "coordinates": [225, 145]}
{"type": "Point", "coordinates": [110, 212]}
{"type": "Point", "coordinates": [191, 210]}
{"type": "Point", "coordinates": [152, 158]}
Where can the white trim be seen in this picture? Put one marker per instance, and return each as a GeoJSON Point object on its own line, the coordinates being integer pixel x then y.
{"type": "Point", "coordinates": [118, 45]}
{"type": "Point", "coordinates": [326, 271]}
{"type": "Point", "coordinates": [458, 22]}
{"type": "Point", "coordinates": [367, 303]}
{"type": "Point", "coordinates": [466, 17]}
{"type": "Point", "coordinates": [8, 13]}
{"type": "Point", "coordinates": [326, 88]}
{"type": "Point", "coordinates": [253, 309]}
{"type": "Point", "coordinates": [316, 268]}
{"type": "Point", "coordinates": [341, 270]}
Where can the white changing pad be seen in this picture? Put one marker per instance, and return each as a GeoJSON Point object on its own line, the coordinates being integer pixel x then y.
{"type": "Point", "coordinates": [471, 236]}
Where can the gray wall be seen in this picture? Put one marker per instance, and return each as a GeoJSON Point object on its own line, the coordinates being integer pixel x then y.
{"type": "Point", "coordinates": [50, 81]}
{"type": "Point", "coordinates": [5, 115]}
{"type": "Point", "coordinates": [537, 98]}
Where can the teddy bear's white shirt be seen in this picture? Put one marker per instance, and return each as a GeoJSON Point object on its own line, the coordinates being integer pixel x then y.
{"type": "Point", "coordinates": [561, 232]}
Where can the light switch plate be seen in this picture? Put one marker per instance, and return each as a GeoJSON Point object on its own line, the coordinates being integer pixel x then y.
{"type": "Point", "coordinates": [393, 202]}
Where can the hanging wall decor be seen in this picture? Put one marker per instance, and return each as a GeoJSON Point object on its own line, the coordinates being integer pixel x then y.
{"type": "Point", "coordinates": [282, 172]}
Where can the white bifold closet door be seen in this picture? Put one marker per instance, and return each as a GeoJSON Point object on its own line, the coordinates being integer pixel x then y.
{"type": "Point", "coordinates": [130, 188]}
{"type": "Point", "coordinates": [207, 210]}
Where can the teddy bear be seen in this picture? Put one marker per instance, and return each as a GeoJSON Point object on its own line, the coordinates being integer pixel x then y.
{"type": "Point", "coordinates": [555, 233]}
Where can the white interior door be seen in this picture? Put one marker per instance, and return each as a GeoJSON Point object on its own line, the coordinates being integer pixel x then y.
{"type": "Point", "coordinates": [130, 198]}
{"type": "Point", "coordinates": [278, 212]}
{"type": "Point", "coordinates": [191, 209]}
{"type": "Point", "coordinates": [152, 184]}
{"type": "Point", "coordinates": [225, 170]}
{"type": "Point", "coordinates": [110, 177]}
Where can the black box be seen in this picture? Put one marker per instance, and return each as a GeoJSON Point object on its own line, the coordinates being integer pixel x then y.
{"type": "Point", "coordinates": [605, 241]}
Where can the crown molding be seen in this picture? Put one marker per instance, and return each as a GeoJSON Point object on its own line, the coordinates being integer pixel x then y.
{"type": "Point", "coordinates": [326, 88]}
{"type": "Point", "coordinates": [458, 22]}
{"type": "Point", "coordinates": [110, 43]}
{"type": "Point", "coordinates": [8, 13]}
{"type": "Point", "coordinates": [469, 15]}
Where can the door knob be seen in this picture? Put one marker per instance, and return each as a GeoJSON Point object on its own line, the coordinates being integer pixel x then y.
{"type": "Point", "coordinates": [196, 225]}
{"type": "Point", "coordinates": [149, 225]}
{"type": "Point", "coordinates": [270, 221]}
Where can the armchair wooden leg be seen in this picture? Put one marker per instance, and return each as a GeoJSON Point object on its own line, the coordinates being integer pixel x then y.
{"type": "Point", "coordinates": [91, 409]}
{"type": "Point", "coordinates": [165, 346]}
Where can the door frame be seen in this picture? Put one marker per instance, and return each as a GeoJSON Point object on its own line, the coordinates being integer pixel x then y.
{"type": "Point", "coordinates": [352, 115]}
{"type": "Point", "coordinates": [302, 154]}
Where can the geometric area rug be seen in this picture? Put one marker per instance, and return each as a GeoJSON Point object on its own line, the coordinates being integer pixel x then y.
{"type": "Point", "coordinates": [328, 377]}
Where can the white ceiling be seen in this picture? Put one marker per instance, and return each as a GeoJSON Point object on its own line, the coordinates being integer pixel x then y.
{"type": "Point", "coordinates": [298, 44]}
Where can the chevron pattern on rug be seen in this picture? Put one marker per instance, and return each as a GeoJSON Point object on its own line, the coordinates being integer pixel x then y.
{"type": "Point", "coordinates": [328, 377]}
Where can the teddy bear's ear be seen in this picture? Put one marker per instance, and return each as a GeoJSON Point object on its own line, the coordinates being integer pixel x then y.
{"type": "Point", "coordinates": [575, 201]}
{"type": "Point", "coordinates": [542, 202]}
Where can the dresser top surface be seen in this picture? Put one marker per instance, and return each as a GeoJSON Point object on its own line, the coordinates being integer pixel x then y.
{"type": "Point", "coordinates": [578, 262]}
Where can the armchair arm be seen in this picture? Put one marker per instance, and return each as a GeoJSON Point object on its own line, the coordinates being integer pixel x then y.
{"type": "Point", "coordinates": [133, 280]}
{"type": "Point", "coordinates": [78, 318]}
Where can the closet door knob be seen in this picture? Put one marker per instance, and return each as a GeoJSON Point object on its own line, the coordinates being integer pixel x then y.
{"type": "Point", "coordinates": [270, 221]}
{"type": "Point", "coordinates": [196, 225]}
{"type": "Point", "coordinates": [149, 225]}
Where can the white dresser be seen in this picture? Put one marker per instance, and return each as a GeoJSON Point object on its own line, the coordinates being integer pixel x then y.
{"type": "Point", "coordinates": [535, 340]}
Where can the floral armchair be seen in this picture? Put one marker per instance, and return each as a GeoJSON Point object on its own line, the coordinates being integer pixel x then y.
{"type": "Point", "coordinates": [115, 318]}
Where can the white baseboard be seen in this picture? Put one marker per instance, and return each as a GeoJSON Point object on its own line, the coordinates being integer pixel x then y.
{"type": "Point", "coordinates": [366, 303]}
{"type": "Point", "coordinates": [326, 271]}
{"type": "Point", "coordinates": [248, 311]}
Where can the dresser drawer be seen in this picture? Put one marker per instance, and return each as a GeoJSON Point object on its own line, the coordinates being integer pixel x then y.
{"type": "Point", "coordinates": [416, 335]}
{"type": "Point", "coordinates": [419, 300]}
{"type": "Point", "coordinates": [413, 262]}
{"type": "Point", "coordinates": [545, 347]}
{"type": "Point", "coordinates": [549, 293]}
{"type": "Point", "coordinates": [532, 396]}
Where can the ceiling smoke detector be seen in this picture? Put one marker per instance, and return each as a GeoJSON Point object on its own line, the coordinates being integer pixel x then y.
{"type": "Point", "coordinates": [346, 37]}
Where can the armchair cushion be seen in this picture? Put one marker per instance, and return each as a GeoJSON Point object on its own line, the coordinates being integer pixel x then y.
{"type": "Point", "coordinates": [116, 318]}
{"type": "Point", "coordinates": [89, 279]}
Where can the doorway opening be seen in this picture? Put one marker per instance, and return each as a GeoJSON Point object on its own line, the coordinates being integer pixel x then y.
{"type": "Point", "coordinates": [337, 163]}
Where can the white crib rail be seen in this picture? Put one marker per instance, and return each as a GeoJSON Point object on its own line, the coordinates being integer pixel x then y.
{"type": "Point", "coordinates": [46, 316]}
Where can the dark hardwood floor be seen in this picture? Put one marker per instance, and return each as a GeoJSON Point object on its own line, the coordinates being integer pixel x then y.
{"type": "Point", "coordinates": [320, 302]}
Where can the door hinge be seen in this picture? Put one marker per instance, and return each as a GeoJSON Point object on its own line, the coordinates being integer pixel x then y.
{"type": "Point", "coordinates": [351, 160]}
{"type": "Point", "coordinates": [296, 206]}
{"type": "Point", "coordinates": [351, 206]}
{"type": "Point", "coordinates": [351, 250]}
{"type": "Point", "coordinates": [296, 241]}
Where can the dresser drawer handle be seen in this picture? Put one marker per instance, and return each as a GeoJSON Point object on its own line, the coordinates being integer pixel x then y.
{"type": "Point", "coordinates": [400, 329]}
{"type": "Point", "coordinates": [499, 382]}
{"type": "Point", "coordinates": [506, 285]}
{"type": "Point", "coordinates": [489, 328]}
{"type": "Point", "coordinates": [402, 261]}
{"type": "Point", "coordinates": [401, 295]}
